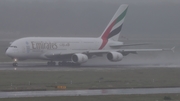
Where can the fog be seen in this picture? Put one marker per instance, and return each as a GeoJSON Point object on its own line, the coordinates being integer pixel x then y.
{"type": "Point", "coordinates": [86, 17]}
{"type": "Point", "coordinates": [155, 21]}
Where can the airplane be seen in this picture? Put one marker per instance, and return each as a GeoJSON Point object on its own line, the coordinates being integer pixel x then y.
{"type": "Point", "coordinates": [76, 50]}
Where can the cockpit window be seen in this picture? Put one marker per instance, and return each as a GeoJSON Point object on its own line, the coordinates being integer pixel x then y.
{"type": "Point", "coordinates": [13, 46]}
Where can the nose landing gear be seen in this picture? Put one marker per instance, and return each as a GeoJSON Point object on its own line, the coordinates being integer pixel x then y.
{"type": "Point", "coordinates": [15, 64]}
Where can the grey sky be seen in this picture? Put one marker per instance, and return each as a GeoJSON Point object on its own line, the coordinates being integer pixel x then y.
{"type": "Point", "coordinates": [86, 17]}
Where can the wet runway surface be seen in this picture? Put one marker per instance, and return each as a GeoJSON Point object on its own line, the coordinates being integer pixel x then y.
{"type": "Point", "coordinates": [41, 66]}
{"type": "Point", "coordinates": [89, 92]}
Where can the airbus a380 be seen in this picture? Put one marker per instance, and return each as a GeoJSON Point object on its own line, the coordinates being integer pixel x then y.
{"type": "Point", "coordinates": [74, 50]}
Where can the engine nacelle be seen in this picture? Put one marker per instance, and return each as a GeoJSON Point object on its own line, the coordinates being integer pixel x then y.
{"type": "Point", "coordinates": [114, 56]}
{"type": "Point", "coordinates": [79, 58]}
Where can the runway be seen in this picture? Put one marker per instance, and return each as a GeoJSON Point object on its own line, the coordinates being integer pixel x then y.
{"type": "Point", "coordinates": [41, 66]}
{"type": "Point", "coordinates": [89, 92]}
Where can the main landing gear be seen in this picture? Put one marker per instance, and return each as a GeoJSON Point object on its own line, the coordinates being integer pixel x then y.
{"type": "Point", "coordinates": [63, 63]}
{"type": "Point", "coordinates": [68, 63]}
{"type": "Point", "coordinates": [51, 63]}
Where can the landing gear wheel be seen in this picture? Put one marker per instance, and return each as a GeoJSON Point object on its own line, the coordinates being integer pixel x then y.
{"type": "Point", "coordinates": [59, 63]}
{"type": "Point", "coordinates": [48, 63]}
{"type": "Point", "coordinates": [68, 63]}
{"type": "Point", "coordinates": [51, 63]}
{"type": "Point", "coordinates": [77, 64]}
{"type": "Point", "coordinates": [62, 63]}
{"type": "Point", "coordinates": [15, 64]}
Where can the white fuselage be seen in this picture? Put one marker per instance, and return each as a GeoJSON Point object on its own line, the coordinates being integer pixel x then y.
{"type": "Point", "coordinates": [75, 51]}
{"type": "Point", "coordinates": [78, 49]}
{"type": "Point", "coordinates": [36, 47]}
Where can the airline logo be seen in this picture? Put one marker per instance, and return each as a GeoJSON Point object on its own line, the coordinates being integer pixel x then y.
{"type": "Point", "coordinates": [113, 29]}
{"type": "Point", "coordinates": [37, 45]}
{"type": "Point", "coordinates": [43, 45]}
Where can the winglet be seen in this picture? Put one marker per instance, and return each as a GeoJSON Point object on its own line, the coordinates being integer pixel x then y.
{"type": "Point", "coordinates": [172, 49]}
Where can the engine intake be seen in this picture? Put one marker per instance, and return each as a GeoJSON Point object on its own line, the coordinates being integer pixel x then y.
{"type": "Point", "coordinates": [79, 58]}
{"type": "Point", "coordinates": [114, 56]}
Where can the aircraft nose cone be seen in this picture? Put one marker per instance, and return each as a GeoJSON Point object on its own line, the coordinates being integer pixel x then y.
{"type": "Point", "coordinates": [9, 52]}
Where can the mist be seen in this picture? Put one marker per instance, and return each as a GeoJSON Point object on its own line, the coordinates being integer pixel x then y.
{"type": "Point", "coordinates": [154, 21]}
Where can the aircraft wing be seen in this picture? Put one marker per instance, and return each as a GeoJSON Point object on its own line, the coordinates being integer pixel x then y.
{"type": "Point", "coordinates": [125, 45]}
{"type": "Point", "coordinates": [128, 51]}
{"type": "Point", "coordinates": [101, 52]}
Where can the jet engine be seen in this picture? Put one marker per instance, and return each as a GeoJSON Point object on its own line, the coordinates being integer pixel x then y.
{"type": "Point", "coordinates": [79, 58]}
{"type": "Point", "coordinates": [114, 56]}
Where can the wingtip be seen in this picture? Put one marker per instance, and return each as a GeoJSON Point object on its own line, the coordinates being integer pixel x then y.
{"type": "Point", "coordinates": [172, 49]}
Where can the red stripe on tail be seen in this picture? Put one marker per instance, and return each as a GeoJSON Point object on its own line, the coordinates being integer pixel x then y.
{"type": "Point", "coordinates": [105, 35]}
{"type": "Point", "coordinates": [103, 43]}
{"type": "Point", "coordinates": [107, 32]}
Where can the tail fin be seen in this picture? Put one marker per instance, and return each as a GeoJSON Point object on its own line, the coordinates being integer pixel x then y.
{"type": "Point", "coordinates": [114, 27]}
